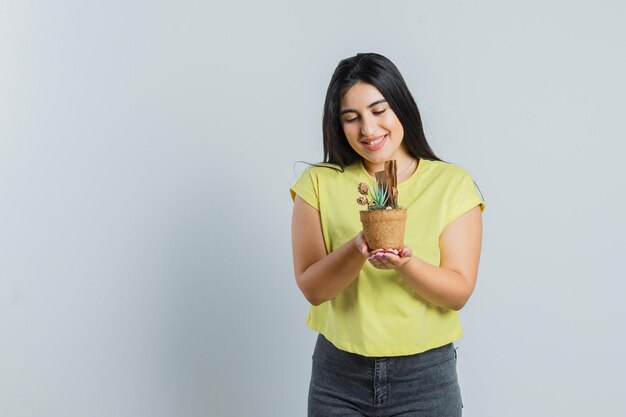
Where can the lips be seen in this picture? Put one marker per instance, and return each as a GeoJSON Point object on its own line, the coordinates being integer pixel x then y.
{"type": "Point", "coordinates": [375, 143]}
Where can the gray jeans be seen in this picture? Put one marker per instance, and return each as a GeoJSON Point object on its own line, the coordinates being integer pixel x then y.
{"type": "Point", "coordinates": [350, 385]}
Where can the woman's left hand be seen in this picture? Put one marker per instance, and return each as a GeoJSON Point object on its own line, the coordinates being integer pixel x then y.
{"type": "Point", "coordinates": [391, 258]}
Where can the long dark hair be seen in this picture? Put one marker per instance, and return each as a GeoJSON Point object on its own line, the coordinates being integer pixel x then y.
{"type": "Point", "coordinates": [379, 71]}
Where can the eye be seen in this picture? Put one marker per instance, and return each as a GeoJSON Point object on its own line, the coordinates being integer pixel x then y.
{"type": "Point", "coordinates": [350, 120]}
{"type": "Point", "coordinates": [379, 112]}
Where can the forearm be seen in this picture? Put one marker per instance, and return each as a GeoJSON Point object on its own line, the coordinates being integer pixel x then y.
{"type": "Point", "coordinates": [440, 286]}
{"type": "Point", "coordinates": [326, 278]}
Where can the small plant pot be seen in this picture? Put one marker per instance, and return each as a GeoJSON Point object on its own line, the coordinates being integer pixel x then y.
{"type": "Point", "coordinates": [384, 229]}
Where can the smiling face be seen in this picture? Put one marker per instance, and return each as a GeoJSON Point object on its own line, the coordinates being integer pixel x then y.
{"type": "Point", "coordinates": [372, 128]}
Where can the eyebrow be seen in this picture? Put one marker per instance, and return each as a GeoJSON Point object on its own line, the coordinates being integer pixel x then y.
{"type": "Point", "coordinates": [371, 105]}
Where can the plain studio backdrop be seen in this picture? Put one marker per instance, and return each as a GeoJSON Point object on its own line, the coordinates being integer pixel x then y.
{"type": "Point", "coordinates": [147, 149]}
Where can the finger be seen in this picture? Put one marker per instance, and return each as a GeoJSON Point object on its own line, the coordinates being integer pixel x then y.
{"type": "Point", "coordinates": [379, 262]}
{"type": "Point", "coordinates": [379, 259]}
{"type": "Point", "coordinates": [392, 261]}
{"type": "Point", "coordinates": [375, 263]}
{"type": "Point", "coordinates": [383, 264]}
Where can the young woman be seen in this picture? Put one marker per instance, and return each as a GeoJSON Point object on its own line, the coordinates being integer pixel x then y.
{"type": "Point", "coordinates": [386, 321]}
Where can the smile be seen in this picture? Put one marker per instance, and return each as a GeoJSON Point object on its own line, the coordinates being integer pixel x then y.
{"type": "Point", "coordinates": [376, 144]}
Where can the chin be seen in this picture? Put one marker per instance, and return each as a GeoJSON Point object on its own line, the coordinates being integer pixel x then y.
{"type": "Point", "coordinates": [381, 158]}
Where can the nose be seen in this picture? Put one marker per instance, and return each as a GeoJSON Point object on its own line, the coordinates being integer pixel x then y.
{"type": "Point", "coordinates": [368, 126]}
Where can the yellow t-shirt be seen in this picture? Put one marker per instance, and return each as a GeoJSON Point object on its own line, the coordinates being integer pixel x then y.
{"type": "Point", "coordinates": [379, 314]}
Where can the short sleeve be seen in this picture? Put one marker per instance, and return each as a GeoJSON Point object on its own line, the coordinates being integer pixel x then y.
{"type": "Point", "coordinates": [464, 195]}
{"type": "Point", "coordinates": [307, 187]}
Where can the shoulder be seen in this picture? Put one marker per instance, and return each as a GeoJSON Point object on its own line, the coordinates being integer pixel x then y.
{"type": "Point", "coordinates": [446, 171]}
{"type": "Point", "coordinates": [314, 179]}
{"type": "Point", "coordinates": [324, 171]}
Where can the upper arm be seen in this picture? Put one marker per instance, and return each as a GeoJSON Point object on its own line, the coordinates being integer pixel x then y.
{"type": "Point", "coordinates": [460, 244]}
{"type": "Point", "coordinates": [307, 240]}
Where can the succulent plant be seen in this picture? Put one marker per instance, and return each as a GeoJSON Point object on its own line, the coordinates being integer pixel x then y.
{"type": "Point", "coordinates": [384, 194]}
{"type": "Point", "coordinates": [379, 197]}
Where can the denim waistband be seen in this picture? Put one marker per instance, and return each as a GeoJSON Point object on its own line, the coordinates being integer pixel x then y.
{"type": "Point", "coordinates": [384, 385]}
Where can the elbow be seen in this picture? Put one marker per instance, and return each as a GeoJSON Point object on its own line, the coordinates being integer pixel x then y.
{"type": "Point", "coordinates": [313, 299]}
{"type": "Point", "coordinates": [462, 297]}
{"type": "Point", "coordinates": [312, 296]}
{"type": "Point", "coordinates": [457, 306]}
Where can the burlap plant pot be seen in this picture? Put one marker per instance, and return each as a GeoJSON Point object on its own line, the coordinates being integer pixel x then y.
{"type": "Point", "coordinates": [384, 229]}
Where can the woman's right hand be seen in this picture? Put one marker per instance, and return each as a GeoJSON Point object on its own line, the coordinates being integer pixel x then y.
{"type": "Point", "coordinates": [375, 255]}
{"type": "Point", "coordinates": [362, 247]}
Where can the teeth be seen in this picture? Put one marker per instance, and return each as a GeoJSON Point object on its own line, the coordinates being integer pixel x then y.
{"type": "Point", "coordinates": [377, 141]}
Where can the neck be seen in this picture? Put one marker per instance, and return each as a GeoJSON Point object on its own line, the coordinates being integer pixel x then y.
{"type": "Point", "coordinates": [405, 167]}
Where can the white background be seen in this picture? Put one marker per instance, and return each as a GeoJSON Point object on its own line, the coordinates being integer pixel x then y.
{"type": "Point", "coordinates": [147, 149]}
